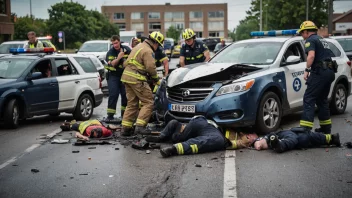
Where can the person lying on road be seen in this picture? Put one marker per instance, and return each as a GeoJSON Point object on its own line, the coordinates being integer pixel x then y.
{"type": "Point", "coordinates": [199, 136]}
{"type": "Point", "coordinates": [87, 129]}
{"type": "Point", "coordinates": [296, 138]}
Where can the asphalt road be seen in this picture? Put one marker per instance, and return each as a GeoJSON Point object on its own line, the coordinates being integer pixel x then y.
{"type": "Point", "coordinates": [107, 172]}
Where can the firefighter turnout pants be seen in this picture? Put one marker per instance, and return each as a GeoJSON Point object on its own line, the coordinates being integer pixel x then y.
{"type": "Point", "coordinates": [116, 88]}
{"type": "Point", "coordinates": [318, 88]}
{"type": "Point", "coordinates": [135, 93]}
{"type": "Point", "coordinates": [290, 140]}
{"type": "Point", "coordinates": [197, 137]}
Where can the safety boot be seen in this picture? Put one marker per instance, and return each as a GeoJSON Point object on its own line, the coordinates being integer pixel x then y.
{"type": "Point", "coordinates": [324, 130]}
{"type": "Point", "coordinates": [168, 151]}
{"type": "Point", "coordinates": [122, 112]}
{"type": "Point", "coordinates": [335, 140]}
{"type": "Point", "coordinates": [141, 130]}
{"type": "Point", "coordinates": [110, 117]}
{"type": "Point", "coordinates": [155, 139]}
{"type": "Point", "coordinates": [126, 131]}
{"type": "Point", "coordinates": [274, 142]}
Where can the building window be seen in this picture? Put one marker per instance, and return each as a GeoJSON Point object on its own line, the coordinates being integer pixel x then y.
{"type": "Point", "coordinates": [174, 15]}
{"type": "Point", "coordinates": [216, 14]}
{"type": "Point", "coordinates": [216, 25]}
{"type": "Point", "coordinates": [177, 25]}
{"type": "Point", "coordinates": [216, 34]}
{"type": "Point", "coordinates": [199, 34]}
{"type": "Point", "coordinates": [196, 14]}
{"type": "Point", "coordinates": [155, 26]}
{"type": "Point", "coordinates": [119, 16]}
{"type": "Point", "coordinates": [3, 7]}
{"type": "Point", "coordinates": [140, 34]}
{"type": "Point", "coordinates": [154, 15]}
{"type": "Point", "coordinates": [121, 26]}
{"type": "Point", "coordinates": [137, 15]}
{"type": "Point", "coordinates": [196, 25]}
{"type": "Point", "coordinates": [137, 26]}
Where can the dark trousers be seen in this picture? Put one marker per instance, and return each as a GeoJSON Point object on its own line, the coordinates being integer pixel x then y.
{"type": "Point", "coordinates": [290, 140]}
{"type": "Point", "coordinates": [197, 137]}
{"type": "Point", "coordinates": [116, 87]}
{"type": "Point", "coordinates": [318, 88]}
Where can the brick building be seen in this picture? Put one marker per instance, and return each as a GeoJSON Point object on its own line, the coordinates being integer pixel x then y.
{"type": "Point", "coordinates": [7, 28]}
{"type": "Point", "coordinates": [207, 20]}
{"type": "Point", "coordinates": [342, 23]}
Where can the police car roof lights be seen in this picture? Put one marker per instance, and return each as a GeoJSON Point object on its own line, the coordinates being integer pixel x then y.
{"type": "Point", "coordinates": [32, 50]}
{"type": "Point", "coordinates": [275, 33]}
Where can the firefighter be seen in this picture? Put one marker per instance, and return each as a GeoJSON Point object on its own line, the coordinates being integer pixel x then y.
{"type": "Point", "coordinates": [33, 42]}
{"type": "Point", "coordinates": [139, 67]}
{"type": "Point", "coordinates": [199, 136]}
{"type": "Point", "coordinates": [296, 138]}
{"type": "Point", "coordinates": [115, 58]}
{"type": "Point", "coordinates": [193, 51]}
{"type": "Point", "coordinates": [319, 74]}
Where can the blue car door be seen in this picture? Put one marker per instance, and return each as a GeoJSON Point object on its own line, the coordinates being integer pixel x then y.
{"type": "Point", "coordinates": [42, 95]}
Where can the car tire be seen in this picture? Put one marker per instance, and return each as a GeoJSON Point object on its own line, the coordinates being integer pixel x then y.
{"type": "Point", "coordinates": [12, 114]}
{"type": "Point", "coordinates": [54, 114]}
{"type": "Point", "coordinates": [84, 108]}
{"type": "Point", "coordinates": [338, 101]}
{"type": "Point", "coordinates": [269, 113]}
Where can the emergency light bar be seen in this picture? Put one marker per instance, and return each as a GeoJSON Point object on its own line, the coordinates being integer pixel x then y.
{"type": "Point", "coordinates": [32, 50]}
{"type": "Point", "coordinates": [275, 33]}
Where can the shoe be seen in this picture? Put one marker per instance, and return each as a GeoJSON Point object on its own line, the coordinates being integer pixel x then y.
{"type": "Point", "coordinates": [168, 151]}
{"type": "Point", "coordinates": [140, 145]}
{"type": "Point", "coordinates": [155, 139]}
{"type": "Point", "coordinates": [335, 140]}
{"type": "Point", "coordinates": [126, 131]}
{"type": "Point", "coordinates": [141, 130]}
{"type": "Point", "coordinates": [275, 143]}
{"type": "Point", "coordinates": [65, 127]}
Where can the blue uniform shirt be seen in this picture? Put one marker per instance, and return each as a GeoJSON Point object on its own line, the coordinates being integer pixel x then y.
{"type": "Point", "coordinates": [112, 55]}
{"type": "Point", "coordinates": [321, 48]}
{"type": "Point", "coordinates": [195, 54]}
{"type": "Point", "coordinates": [160, 56]}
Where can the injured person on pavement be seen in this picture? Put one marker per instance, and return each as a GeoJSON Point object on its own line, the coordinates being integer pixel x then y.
{"type": "Point", "coordinates": [199, 136]}
{"type": "Point", "coordinates": [88, 129]}
{"type": "Point", "coordinates": [296, 138]}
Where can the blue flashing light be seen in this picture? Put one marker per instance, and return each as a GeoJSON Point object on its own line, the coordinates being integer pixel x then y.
{"type": "Point", "coordinates": [274, 33]}
{"type": "Point", "coordinates": [31, 50]}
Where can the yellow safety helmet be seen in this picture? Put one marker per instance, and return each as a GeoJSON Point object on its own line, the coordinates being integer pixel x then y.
{"type": "Point", "coordinates": [307, 25]}
{"type": "Point", "coordinates": [188, 34]}
{"type": "Point", "coordinates": [158, 37]}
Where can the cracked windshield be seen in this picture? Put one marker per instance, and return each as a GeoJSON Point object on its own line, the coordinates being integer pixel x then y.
{"type": "Point", "coordinates": [175, 98]}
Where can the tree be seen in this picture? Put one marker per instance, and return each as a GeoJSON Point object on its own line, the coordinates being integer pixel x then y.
{"type": "Point", "coordinates": [25, 24]}
{"type": "Point", "coordinates": [245, 28]}
{"type": "Point", "coordinates": [174, 33]}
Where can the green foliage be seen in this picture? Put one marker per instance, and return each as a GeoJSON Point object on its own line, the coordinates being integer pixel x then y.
{"type": "Point", "coordinates": [174, 33]}
{"type": "Point", "coordinates": [232, 34]}
{"type": "Point", "coordinates": [23, 25]}
{"type": "Point", "coordinates": [245, 28]}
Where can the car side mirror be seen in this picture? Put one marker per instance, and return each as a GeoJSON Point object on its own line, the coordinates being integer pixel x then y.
{"type": "Point", "coordinates": [76, 50]}
{"type": "Point", "coordinates": [35, 76]}
{"type": "Point", "coordinates": [103, 62]}
{"type": "Point", "coordinates": [293, 60]}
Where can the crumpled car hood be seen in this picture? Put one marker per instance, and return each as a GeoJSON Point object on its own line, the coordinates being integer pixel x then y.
{"type": "Point", "coordinates": [194, 71]}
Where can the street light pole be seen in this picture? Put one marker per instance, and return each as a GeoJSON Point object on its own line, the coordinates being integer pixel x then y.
{"type": "Point", "coordinates": [307, 6]}
{"type": "Point", "coordinates": [261, 16]}
{"type": "Point", "coordinates": [30, 10]}
{"type": "Point", "coordinates": [330, 17]}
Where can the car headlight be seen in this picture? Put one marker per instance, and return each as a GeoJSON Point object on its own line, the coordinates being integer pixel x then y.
{"type": "Point", "coordinates": [235, 87]}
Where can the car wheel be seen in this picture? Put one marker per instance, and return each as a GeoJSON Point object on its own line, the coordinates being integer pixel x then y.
{"type": "Point", "coordinates": [84, 108]}
{"type": "Point", "coordinates": [338, 103]}
{"type": "Point", "coordinates": [12, 114]}
{"type": "Point", "coordinates": [54, 114]}
{"type": "Point", "coordinates": [269, 113]}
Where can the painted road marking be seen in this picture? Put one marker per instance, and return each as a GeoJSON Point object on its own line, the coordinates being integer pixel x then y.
{"type": "Point", "coordinates": [230, 186]}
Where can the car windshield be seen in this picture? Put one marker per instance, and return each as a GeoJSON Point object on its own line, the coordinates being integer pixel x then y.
{"type": "Point", "coordinates": [126, 39]}
{"type": "Point", "coordinates": [346, 44]}
{"type": "Point", "coordinates": [256, 53]}
{"type": "Point", "coordinates": [94, 47]}
{"type": "Point", "coordinates": [5, 47]}
{"type": "Point", "coordinates": [13, 68]}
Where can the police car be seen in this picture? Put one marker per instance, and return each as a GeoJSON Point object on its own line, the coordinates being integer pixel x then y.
{"type": "Point", "coordinates": [251, 82]}
{"type": "Point", "coordinates": [36, 82]}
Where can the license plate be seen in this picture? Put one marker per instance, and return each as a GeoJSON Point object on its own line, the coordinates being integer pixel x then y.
{"type": "Point", "coordinates": [182, 108]}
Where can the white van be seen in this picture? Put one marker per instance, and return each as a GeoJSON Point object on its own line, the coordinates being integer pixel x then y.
{"type": "Point", "coordinates": [126, 37]}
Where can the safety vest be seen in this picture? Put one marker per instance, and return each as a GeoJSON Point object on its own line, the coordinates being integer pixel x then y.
{"type": "Point", "coordinates": [33, 45]}
{"type": "Point", "coordinates": [83, 126]}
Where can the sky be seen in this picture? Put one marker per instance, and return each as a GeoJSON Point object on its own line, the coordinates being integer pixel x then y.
{"type": "Point", "coordinates": [236, 8]}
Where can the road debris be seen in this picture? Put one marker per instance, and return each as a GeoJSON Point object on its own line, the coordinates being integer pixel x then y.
{"type": "Point", "coordinates": [91, 142]}
{"type": "Point", "coordinates": [89, 158]}
{"type": "Point", "coordinates": [111, 175]}
{"type": "Point", "coordinates": [75, 151]}
{"type": "Point", "coordinates": [71, 177]}
{"type": "Point", "coordinates": [147, 151]}
{"type": "Point", "coordinates": [34, 170]}
{"type": "Point", "coordinates": [14, 165]}
{"type": "Point", "coordinates": [349, 155]}
{"type": "Point", "coordinates": [214, 158]}
{"type": "Point", "coordinates": [326, 150]}
{"type": "Point", "coordinates": [198, 165]}
{"type": "Point", "coordinates": [348, 144]}
{"type": "Point", "coordinates": [64, 186]}
{"type": "Point", "coordinates": [116, 149]}
{"type": "Point", "coordinates": [83, 174]}
{"type": "Point", "coordinates": [59, 141]}
{"type": "Point", "coordinates": [93, 147]}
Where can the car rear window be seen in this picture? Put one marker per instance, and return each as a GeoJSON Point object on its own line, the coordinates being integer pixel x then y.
{"type": "Point", "coordinates": [334, 50]}
{"type": "Point", "coordinates": [346, 44]}
{"type": "Point", "coordinates": [86, 64]}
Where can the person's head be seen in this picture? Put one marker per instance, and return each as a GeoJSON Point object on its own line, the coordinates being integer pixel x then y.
{"type": "Point", "coordinates": [135, 42]}
{"type": "Point", "coordinates": [222, 42]}
{"type": "Point", "coordinates": [157, 39]}
{"type": "Point", "coordinates": [261, 144]}
{"type": "Point", "coordinates": [115, 41]}
{"type": "Point", "coordinates": [31, 37]}
{"type": "Point", "coordinates": [64, 67]}
{"type": "Point", "coordinates": [307, 28]}
{"type": "Point", "coordinates": [96, 133]}
{"type": "Point", "coordinates": [189, 36]}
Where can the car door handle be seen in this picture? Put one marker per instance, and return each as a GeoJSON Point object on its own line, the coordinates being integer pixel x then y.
{"type": "Point", "coordinates": [53, 84]}
{"type": "Point", "coordinates": [77, 81]}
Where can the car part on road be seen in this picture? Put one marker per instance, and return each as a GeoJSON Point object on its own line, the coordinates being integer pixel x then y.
{"type": "Point", "coordinates": [91, 142]}
{"type": "Point", "coordinates": [59, 141]}
{"type": "Point", "coordinates": [11, 114]}
{"type": "Point", "coordinates": [269, 113]}
{"type": "Point", "coordinates": [34, 170]}
{"type": "Point", "coordinates": [84, 108]}
{"type": "Point", "coordinates": [338, 103]}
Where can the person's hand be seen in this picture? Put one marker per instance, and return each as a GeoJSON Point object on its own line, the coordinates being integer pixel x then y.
{"type": "Point", "coordinates": [85, 138]}
{"type": "Point", "coordinates": [121, 54]}
{"type": "Point", "coordinates": [305, 76]}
